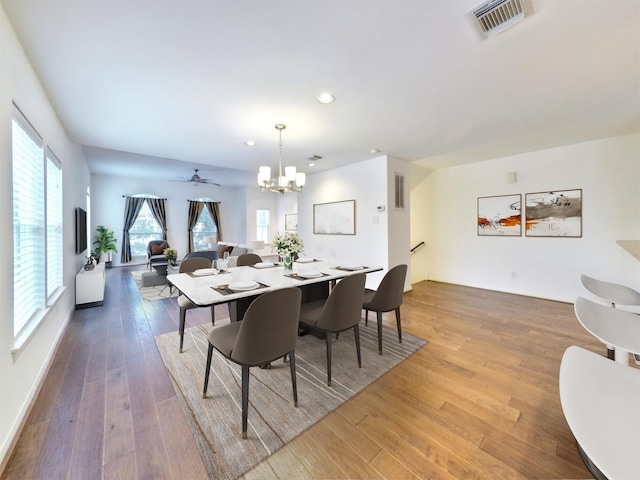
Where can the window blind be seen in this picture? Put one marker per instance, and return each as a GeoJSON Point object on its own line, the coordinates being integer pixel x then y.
{"type": "Point", "coordinates": [28, 222]}
{"type": "Point", "coordinates": [54, 224]}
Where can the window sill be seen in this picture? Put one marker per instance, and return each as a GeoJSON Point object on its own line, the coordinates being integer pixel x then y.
{"type": "Point", "coordinates": [21, 340]}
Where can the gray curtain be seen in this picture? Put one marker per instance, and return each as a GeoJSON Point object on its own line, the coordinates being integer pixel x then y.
{"type": "Point", "coordinates": [214, 211]}
{"type": "Point", "coordinates": [132, 208]}
{"type": "Point", "coordinates": [195, 209]}
{"type": "Point", "coordinates": [156, 205]}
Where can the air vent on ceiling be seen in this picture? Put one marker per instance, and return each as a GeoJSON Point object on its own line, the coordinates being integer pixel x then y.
{"type": "Point", "coordinates": [496, 15]}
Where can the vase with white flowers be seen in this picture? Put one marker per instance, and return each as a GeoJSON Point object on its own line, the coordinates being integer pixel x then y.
{"type": "Point", "coordinates": [171, 254]}
{"type": "Point", "coordinates": [288, 246]}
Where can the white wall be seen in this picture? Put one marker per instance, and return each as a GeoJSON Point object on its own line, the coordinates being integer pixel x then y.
{"type": "Point", "coordinates": [444, 212]}
{"type": "Point", "coordinates": [20, 375]}
{"type": "Point", "coordinates": [367, 182]}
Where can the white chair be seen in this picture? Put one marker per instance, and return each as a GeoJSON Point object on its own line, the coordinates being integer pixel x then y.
{"type": "Point", "coordinates": [611, 326]}
{"type": "Point", "coordinates": [613, 294]}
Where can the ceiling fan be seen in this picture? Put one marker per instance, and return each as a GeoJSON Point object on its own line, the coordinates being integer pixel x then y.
{"type": "Point", "coordinates": [196, 179]}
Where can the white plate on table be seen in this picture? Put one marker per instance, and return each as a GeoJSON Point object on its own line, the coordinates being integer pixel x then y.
{"type": "Point", "coordinates": [204, 272]}
{"type": "Point", "coordinates": [309, 274]}
{"type": "Point", "coordinates": [264, 265]}
{"type": "Point", "coordinates": [242, 285]}
{"type": "Point", "coordinates": [351, 267]}
{"type": "Point", "coordinates": [305, 260]}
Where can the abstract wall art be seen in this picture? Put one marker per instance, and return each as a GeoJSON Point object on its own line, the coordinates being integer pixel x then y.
{"type": "Point", "coordinates": [500, 215]}
{"type": "Point", "coordinates": [554, 214]}
{"type": "Point", "coordinates": [335, 218]}
{"type": "Point", "coordinates": [291, 222]}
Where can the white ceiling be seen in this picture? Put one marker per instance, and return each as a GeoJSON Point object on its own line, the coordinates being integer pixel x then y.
{"type": "Point", "coordinates": [190, 81]}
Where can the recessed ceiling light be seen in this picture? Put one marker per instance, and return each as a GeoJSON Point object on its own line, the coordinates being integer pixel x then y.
{"type": "Point", "coordinates": [326, 98]}
{"type": "Point", "coordinates": [373, 151]}
{"type": "Point", "coordinates": [250, 143]}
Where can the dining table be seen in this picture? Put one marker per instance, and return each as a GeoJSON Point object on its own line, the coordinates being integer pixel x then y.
{"type": "Point", "coordinates": [239, 286]}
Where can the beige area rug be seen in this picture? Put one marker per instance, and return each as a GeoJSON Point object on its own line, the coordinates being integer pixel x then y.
{"type": "Point", "coordinates": [273, 420]}
{"type": "Point", "coordinates": [150, 294]}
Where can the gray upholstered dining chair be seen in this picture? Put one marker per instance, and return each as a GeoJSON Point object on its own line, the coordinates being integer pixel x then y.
{"type": "Point", "coordinates": [340, 312]}
{"type": "Point", "coordinates": [387, 297]}
{"type": "Point", "coordinates": [189, 265]}
{"type": "Point", "coordinates": [614, 294]}
{"type": "Point", "coordinates": [248, 259]}
{"type": "Point", "coordinates": [268, 331]}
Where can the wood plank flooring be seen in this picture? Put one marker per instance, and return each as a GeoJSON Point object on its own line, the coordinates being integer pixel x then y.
{"type": "Point", "coordinates": [479, 401]}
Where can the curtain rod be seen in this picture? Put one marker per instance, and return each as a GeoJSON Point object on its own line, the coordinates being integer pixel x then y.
{"type": "Point", "coordinates": [132, 196]}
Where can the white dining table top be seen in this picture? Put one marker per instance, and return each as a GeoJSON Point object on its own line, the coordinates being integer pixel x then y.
{"type": "Point", "coordinates": [612, 326]}
{"type": "Point", "coordinates": [201, 289]}
{"type": "Point", "coordinates": [601, 403]}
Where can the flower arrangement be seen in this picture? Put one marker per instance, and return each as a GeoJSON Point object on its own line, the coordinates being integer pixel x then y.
{"type": "Point", "coordinates": [289, 242]}
{"type": "Point", "coordinates": [171, 254]}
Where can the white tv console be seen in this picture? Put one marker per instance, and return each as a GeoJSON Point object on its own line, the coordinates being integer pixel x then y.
{"type": "Point", "coordinates": [90, 287]}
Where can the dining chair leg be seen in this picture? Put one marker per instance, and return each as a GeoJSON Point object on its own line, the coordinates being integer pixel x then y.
{"type": "Point", "coordinates": [356, 333]}
{"type": "Point", "coordinates": [183, 318]}
{"type": "Point", "coordinates": [206, 373]}
{"type": "Point", "coordinates": [213, 315]}
{"type": "Point", "coordinates": [294, 383]}
{"type": "Point", "coordinates": [366, 318]}
{"type": "Point", "coordinates": [398, 324]}
{"type": "Point", "coordinates": [245, 399]}
{"type": "Point", "coordinates": [328, 338]}
{"type": "Point", "coordinates": [379, 320]}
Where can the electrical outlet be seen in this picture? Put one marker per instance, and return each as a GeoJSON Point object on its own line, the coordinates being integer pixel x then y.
{"type": "Point", "coordinates": [514, 274]}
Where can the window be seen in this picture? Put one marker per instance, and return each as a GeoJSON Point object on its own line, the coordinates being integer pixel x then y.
{"type": "Point", "coordinates": [263, 221]}
{"type": "Point", "coordinates": [144, 229]}
{"type": "Point", "coordinates": [204, 228]}
{"type": "Point", "coordinates": [37, 224]}
{"type": "Point", "coordinates": [54, 224]}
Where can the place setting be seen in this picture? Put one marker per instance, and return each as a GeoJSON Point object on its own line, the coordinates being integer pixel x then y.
{"type": "Point", "coordinates": [349, 268]}
{"type": "Point", "coordinates": [238, 286]}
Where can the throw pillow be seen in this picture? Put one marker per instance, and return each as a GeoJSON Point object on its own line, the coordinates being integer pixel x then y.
{"type": "Point", "coordinates": [224, 248]}
{"type": "Point", "coordinates": [158, 249]}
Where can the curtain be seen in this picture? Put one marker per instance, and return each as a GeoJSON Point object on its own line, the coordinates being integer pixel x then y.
{"type": "Point", "coordinates": [195, 209]}
{"type": "Point", "coordinates": [156, 205]}
{"type": "Point", "coordinates": [214, 211]}
{"type": "Point", "coordinates": [132, 208]}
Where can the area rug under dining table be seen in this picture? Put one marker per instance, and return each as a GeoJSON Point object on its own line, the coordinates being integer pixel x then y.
{"type": "Point", "coordinates": [273, 419]}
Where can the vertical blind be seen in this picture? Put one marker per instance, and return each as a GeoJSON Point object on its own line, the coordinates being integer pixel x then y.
{"type": "Point", "coordinates": [28, 222]}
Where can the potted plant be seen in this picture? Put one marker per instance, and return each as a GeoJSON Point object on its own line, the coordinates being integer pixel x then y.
{"type": "Point", "coordinates": [105, 242]}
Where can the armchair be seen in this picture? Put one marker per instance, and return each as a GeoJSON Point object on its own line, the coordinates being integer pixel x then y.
{"type": "Point", "coordinates": [155, 252]}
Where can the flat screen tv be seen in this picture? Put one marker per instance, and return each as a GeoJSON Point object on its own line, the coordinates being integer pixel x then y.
{"type": "Point", "coordinates": [81, 230]}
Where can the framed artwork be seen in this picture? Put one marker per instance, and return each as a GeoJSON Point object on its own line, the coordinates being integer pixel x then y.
{"type": "Point", "coordinates": [500, 216]}
{"type": "Point", "coordinates": [291, 222]}
{"type": "Point", "coordinates": [553, 214]}
{"type": "Point", "coordinates": [335, 218]}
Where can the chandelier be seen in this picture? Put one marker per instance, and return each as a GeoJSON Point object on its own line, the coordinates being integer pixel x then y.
{"type": "Point", "coordinates": [291, 181]}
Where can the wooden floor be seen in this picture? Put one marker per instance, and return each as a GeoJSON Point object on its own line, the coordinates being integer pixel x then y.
{"type": "Point", "coordinates": [479, 401]}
